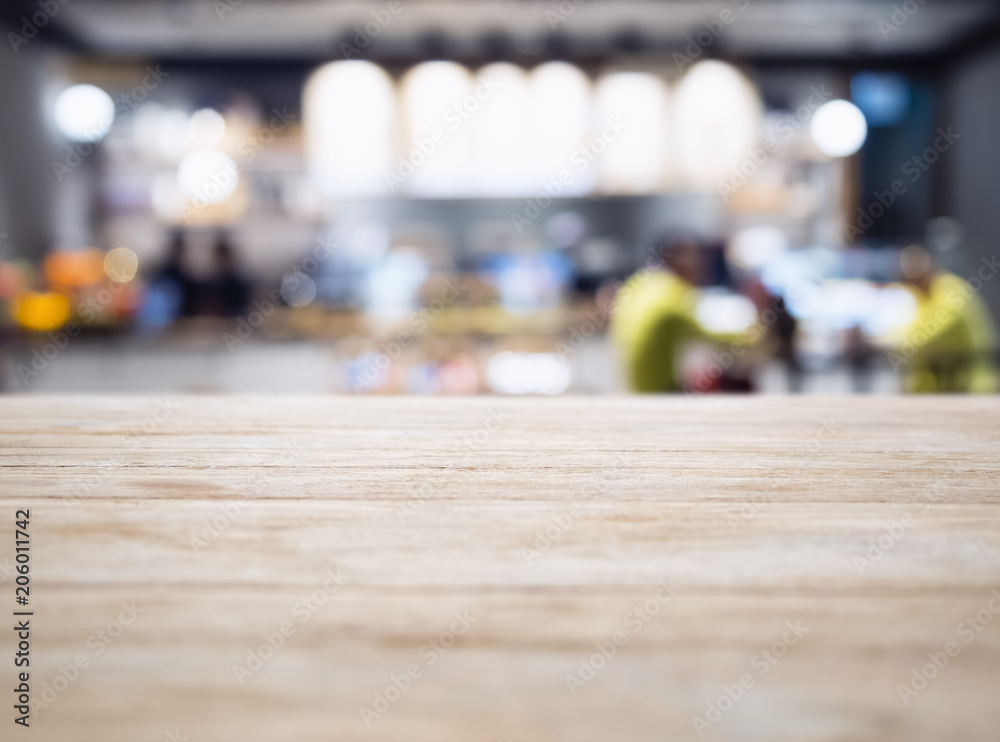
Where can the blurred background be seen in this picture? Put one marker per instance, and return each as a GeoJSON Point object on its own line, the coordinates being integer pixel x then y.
{"type": "Point", "coordinates": [445, 196]}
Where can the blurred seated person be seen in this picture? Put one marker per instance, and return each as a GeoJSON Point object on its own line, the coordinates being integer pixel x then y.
{"type": "Point", "coordinates": [227, 292]}
{"type": "Point", "coordinates": [654, 318]}
{"type": "Point", "coordinates": [950, 345]}
{"type": "Point", "coordinates": [173, 291]}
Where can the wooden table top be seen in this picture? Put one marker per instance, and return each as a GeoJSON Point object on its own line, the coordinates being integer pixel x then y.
{"type": "Point", "coordinates": [482, 569]}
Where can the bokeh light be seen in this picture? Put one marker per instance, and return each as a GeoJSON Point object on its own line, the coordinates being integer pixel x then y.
{"type": "Point", "coordinates": [41, 311]}
{"type": "Point", "coordinates": [718, 117]}
{"type": "Point", "coordinates": [527, 373]}
{"type": "Point", "coordinates": [838, 128]}
{"type": "Point", "coordinates": [121, 264]}
{"type": "Point", "coordinates": [206, 127]}
{"type": "Point", "coordinates": [756, 247]}
{"type": "Point", "coordinates": [349, 111]}
{"type": "Point", "coordinates": [84, 113]}
{"type": "Point", "coordinates": [630, 144]}
{"type": "Point", "coordinates": [209, 175]}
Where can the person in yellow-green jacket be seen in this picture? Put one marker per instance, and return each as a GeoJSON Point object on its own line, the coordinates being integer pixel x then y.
{"type": "Point", "coordinates": [951, 344]}
{"type": "Point", "coordinates": [654, 316]}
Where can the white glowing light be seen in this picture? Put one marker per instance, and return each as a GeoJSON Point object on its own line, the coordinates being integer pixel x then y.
{"type": "Point", "coordinates": [724, 311]}
{"type": "Point", "coordinates": [208, 175]}
{"type": "Point", "coordinates": [631, 127]}
{"type": "Point", "coordinates": [895, 308]}
{"type": "Point", "coordinates": [349, 119]}
{"type": "Point", "coordinates": [756, 247]}
{"type": "Point", "coordinates": [718, 120]}
{"type": "Point", "coordinates": [838, 128]}
{"type": "Point", "coordinates": [438, 101]}
{"type": "Point", "coordinates": [527, 373]}
{"type": "Point", "coordinates": [562, 98]}
{"type": "Point", "coordinates": [84, 113]}
{"type": "Point", "coordinates": [503, 126]}
{"type": "Point", "coordinates": [206, 127]}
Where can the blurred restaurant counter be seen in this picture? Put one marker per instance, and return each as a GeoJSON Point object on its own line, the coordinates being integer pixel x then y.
{"type": "Point", "coordinates": [463, 350]}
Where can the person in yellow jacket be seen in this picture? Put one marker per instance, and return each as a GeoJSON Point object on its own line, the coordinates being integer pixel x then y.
{"type": "Point", "coordinates": [654, 316]}
{"type": "Point", "coordinates": [951, 344]}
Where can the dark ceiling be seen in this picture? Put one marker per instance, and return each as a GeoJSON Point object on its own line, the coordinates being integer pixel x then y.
{"type": "Point", "coordinates": [834, 30]}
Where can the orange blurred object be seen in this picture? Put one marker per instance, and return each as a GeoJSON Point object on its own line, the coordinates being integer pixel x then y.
{"type": "Point", "coordinates": [74, 269]}
{"type": "Point", "coordinates": [41, 312]}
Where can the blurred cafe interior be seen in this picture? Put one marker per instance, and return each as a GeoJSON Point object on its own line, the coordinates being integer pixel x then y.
{"type": "Point", "coordinates": [481, 196]}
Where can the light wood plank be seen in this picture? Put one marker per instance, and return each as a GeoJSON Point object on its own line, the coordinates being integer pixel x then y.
{"type": "Point", "coordinates": [756, 510]}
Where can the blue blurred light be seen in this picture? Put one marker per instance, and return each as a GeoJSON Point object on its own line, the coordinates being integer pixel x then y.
{"type": "Point", "coordinates": [883, 97]}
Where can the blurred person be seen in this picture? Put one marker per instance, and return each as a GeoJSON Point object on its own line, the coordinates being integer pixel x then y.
{"type": "Point", "coordinates": [226, 293]}
{"type": "Point", "coordinates": [172, 289]}
{"type": "Point", "coordinates": [784, 332]}
{"type": "Point", "coordinates": [951, 343]}
{"type": "Point", "coordinates": [654, 317]}
{"type": "Point", "coordinates": [860, 358]}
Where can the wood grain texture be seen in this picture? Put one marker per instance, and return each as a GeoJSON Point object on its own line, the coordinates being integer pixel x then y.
{"type": "Point", "coordinates": [549, 524]}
